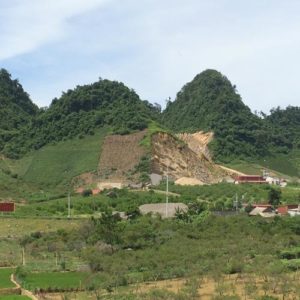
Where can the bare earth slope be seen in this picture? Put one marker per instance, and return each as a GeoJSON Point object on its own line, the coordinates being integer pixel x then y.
{"type": "Point", "coordinates": [120, 154]}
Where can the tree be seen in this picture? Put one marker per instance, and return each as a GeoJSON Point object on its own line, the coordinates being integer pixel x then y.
{"type": "Point", "coordinates": [107, 229]}
{"type": "Point", "coordinates": [274, 197]}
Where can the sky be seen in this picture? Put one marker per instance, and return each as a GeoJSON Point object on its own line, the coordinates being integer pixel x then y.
{"type": "Point", "coordinates": [153, 46]}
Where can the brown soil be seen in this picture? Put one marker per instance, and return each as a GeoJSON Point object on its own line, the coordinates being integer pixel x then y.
{"type": "Point", "coordinates": [208, 288]}
{"type": "Point", "coordinates": [120, 154]}
{"type": "Point", "coordinates": [188, 181]}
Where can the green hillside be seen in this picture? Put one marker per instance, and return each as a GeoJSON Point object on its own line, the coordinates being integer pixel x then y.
{"type": "Point", "coordinates": [52, 167]}
{"type": "Point", "coordinates": [81, 112]}
{"type": "Point", "coordinates": [16, 108]}
{"type": "Point", "coordinates": [285, 127]}
{"type": "Point", "coordinates": [58, 164]}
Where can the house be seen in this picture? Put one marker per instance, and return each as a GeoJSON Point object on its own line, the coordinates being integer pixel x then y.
{"type": "Point", "coordinates": [294, 211]}
{"type": "Point", "coordinates": [249, 179]}
{"type": "Point", "coordinates": [284, 209]}
{"type": "Point", "coordinates": [263, 211]}
{"type": "Point", "coordinates": [275, 181]}
{"type": "Point", "coordinates": [272, 180]}
{"type": "Point", "coordinates": [7, 207]}
{"type": "Point", "coordinates": [283, 183]}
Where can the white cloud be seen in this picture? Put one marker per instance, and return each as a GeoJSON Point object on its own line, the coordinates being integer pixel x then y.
{"type": "Point", "coordinates": [154, 46]}
{"type": "Point", "coordinates": [29, 24]}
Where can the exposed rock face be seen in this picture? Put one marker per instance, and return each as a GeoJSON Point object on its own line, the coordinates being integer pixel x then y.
{"type": "Point", "coordinates": [198, 142]}
{"type": "Point", "coordinates": [181, 161]}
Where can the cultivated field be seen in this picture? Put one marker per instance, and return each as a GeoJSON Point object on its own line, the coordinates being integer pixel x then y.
{"type": "Point", "coordinates": [231, 287]}
{"type": "Point", "coordinates": [56, 280]}
{"type": "Point", "coordinates": [5, 278]}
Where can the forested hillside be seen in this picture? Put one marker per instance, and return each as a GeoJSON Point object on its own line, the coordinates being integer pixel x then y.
{"type": "Point", "coordinates": [210, 102]}
{"type": "Point", "coordinates": [80, 112]}
{"type": "Point", "coordinates": [16, 108]}
{"type": "Point", "coordinates": [285, 127]}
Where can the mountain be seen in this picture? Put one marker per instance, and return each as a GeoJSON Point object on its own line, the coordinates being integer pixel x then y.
{"type": "Point", "coordinates": [81, 111]}
{"type": "Point", "coordinates": [103, 132]}
{"type": "Point", "coordinates": [210, 103]}
{"type": "Point", "coordinates": [16, 108]}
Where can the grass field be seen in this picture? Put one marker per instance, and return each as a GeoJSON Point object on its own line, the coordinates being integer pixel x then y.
{"type": "Point", "coordinates": [65, 280]}
{"type": "Point", "coordinates": [14, 188]}
{"type": "Point", "coordinates": [5, 278]}
{"type": "Point", "coordinates": [58, 164]}
{"type": "Point", "coordinates": [46, 173]}
{"type": "Point", "coordinates": [10, 252]}
{"type": "Point", "coordinates": [280, 164]}
{"type": "Point", "coordinates": [17, 227]}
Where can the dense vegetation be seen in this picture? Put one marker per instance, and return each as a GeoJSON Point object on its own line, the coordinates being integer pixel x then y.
{"type": "Point", "coordinates": [146, 248]}
{"type": "Point", "coordinates": [16, 108]}
{"type": "Point", "coordinates": [285, 127]}
{"type": "Point", "coordinates": [80, 112]}
{"type": "Point", "coordinates": [102, 251]}
{"type": "Point", "coordinates": [210, 102]}
{"type": "Point", "coordinates": [217, 197]}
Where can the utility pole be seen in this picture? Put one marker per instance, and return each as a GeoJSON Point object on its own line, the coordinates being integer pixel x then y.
{"type": "Point", "coordinates": [56, 259]}
{"type": "Point", "coordinates": [69, 206]}
{"type": "Point", "coordinates": [167, 191]}
{"type": "Point", "coordinates": [236, 202]}
{"type": "Point", "coordinates": [23, 257]}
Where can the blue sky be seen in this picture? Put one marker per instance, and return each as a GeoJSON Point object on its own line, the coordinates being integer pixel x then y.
{"type": "Point", "coordinates": [153, 46]}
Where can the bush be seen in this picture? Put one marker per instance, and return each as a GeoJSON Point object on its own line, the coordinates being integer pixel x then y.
{"type": "Point", "coordinates": [87, 193]}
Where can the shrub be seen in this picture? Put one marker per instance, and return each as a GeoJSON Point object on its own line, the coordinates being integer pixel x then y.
{"type": "Point", "coordinates": [87, 193]}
